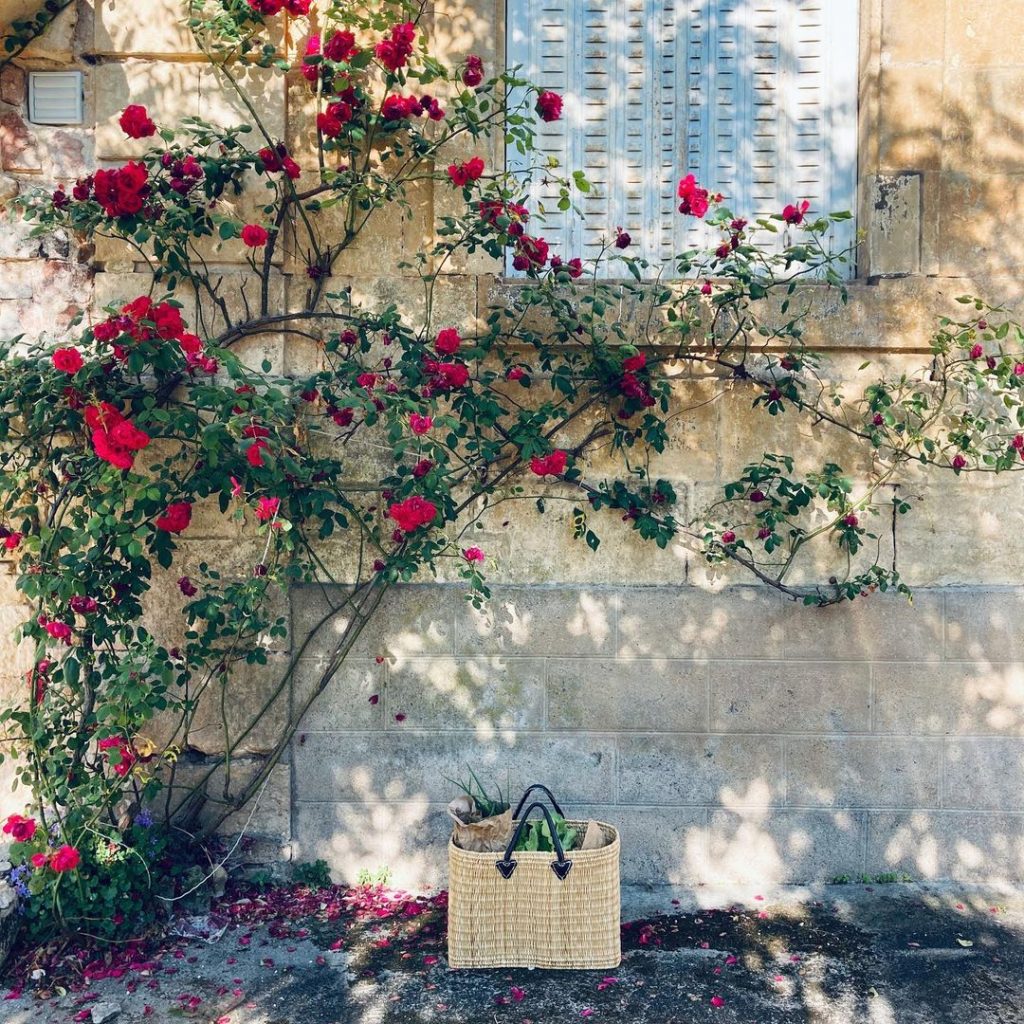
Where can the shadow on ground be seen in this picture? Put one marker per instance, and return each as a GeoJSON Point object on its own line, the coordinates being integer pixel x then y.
{"type": "Point", "coordinates": [883, 954]}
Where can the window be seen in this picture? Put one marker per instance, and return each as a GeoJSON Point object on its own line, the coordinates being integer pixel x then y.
{"type": "Point", "coordinates": [756, 98]}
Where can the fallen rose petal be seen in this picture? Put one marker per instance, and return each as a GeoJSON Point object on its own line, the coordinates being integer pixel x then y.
{"type": "Point", "coordinates": [730, 960]}
{"type": "Point", "coordinates": [717, 1001]}
{"type": "Point", "coordinates": [429, 961]}
{"type": "Point", "coordinates": [518, 994]}
{"type": "Point", "coordinates": [586, 1012]}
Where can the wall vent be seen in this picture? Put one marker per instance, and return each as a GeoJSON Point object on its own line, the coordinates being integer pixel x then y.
{"type": "Point", "coordinates": [55, 97]}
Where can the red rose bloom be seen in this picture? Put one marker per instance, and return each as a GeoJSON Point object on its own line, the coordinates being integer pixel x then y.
{"type": "Point", "coordinates": [59, 631]}
{"type": "Point", "coordinates": [253, 235]}
{"type": "Point", "coordinates": [268, 7]}
{"type": "Point", "coordinates": [65, 859]}
{"type": "Point", "coordinates": [266, 508]}
{"type": "Point", "coordinates": [530, 254]}
{"type": "Point", "coordinates": [394, 52]}
{"type": "Point", "coordinates": [167, 320]}
{"type": "Point", "coordinates": [549, 105]}
{"type": "Point", "coordinates": [175, 518]}
{"type": "Point", "coordinates": [549, 465]}
{"type": "Point", "coordinates": [451, 375]}
{"type": "Point", "coordinates": [254, 453]}
{"type": "Point", "coordinates": [136, 123]}
{"type": "Point", "coordinates": [420, 424]}
{"type": "Point", "coordinates": [125, 753]}
{"type": "Point", "coordinates": [298, 8]}
{"type": "Point", "coordinates": [422, 468]}
{"type": "Point", "coordinates": [399, 108]}
{"type": "Point", "coordinates": [12, 540]}
{"type": "Point", "coordinates": [448, 341]}
{"type": "Point", "coordinates": [413, 513]}
{"type": "Point", "coordinates": [39, 860]}
{"type": "Point", "coordinates": [69, 360]}
{"type": "Point", "coordinates": [634, 363]}
{"type": "Point", "coordinates": [469, 170]}
{"type": "Point", "coordinates": [794, 214]}
{"type": "Point", "coordinates": [114, 439]}
{"type": "Point", "coordinates": [341, 46]}
{"type": "Point", "coordinates": [19, 828]}
{"type": "Point", "coordinates": [474, 555]}
{"type": "Point", "coordinates": [473, 73]}
{"type": "Point", "coordinates": [694, 198]}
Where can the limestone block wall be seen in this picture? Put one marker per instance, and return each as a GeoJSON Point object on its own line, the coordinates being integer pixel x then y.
{"type": "Point", "coordinates": [730, 734]}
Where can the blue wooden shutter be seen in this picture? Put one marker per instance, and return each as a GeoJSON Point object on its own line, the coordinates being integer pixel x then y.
{"type": "Point", "coordinates": [757, 98]}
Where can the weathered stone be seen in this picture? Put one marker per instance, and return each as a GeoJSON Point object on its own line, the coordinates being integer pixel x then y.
{"type": "Point", "coordinates": [984, 625]}
{"type": "Point", "coordinates": [13, 85]}
{"type": "Point", "coordinates": [714, 770]}
{"type": "Point", "coordinates": [686, 622]}
{"type": "Point", "coordinates": [762, 846]}
{"type": "Point", "coordinates": [894, 237]}
{"type": "Point", "coordinates": [346, 702]}
{"type": "Point", "coordinates": [984, 773]}
{"type": "Point", "coordinates": [910, 130]}
{"type": "Point", "coordinates": [966, 846]}
{"type": "Point", "coordinates": [960, 697]}
{"type": "Point", "coordinates": [609, 695]}
{"type": "Point", "coordinates": [833, 771]}
{"type": "Point", "coordinates": [483, 694]}
{"type": "Point", "coordinates": [913, 31]}
{"type": "Point", "coordinates": [118, 29]}
{"type": "Point", "coordinates": [19, 147]}
{"type": "Point", "coordinates": [775, 697]}
{"type": "Point", "coordinates": [520, 619]}
{"type": "Point", "coordinates": [879, 628]}
{"type": "Point", "coordinates": [412, 766]}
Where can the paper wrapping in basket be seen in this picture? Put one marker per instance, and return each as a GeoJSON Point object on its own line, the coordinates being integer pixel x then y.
{"type": "Point", "coordinates": [488, 835]}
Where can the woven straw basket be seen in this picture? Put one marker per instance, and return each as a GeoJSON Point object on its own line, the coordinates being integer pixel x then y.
{"type": "Point", "coordinates": [538, 912]}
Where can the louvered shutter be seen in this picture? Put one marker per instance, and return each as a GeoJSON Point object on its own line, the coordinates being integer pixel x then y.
{"type": "Point", "coordinates": [756, 98]}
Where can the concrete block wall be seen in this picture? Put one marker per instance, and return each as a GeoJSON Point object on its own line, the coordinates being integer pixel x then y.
{"type": "Point", "coordinates": [729, 734]}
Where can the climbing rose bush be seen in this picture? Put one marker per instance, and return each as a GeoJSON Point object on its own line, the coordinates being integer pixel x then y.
{"type": "Point", "coordinates": [146, 421]}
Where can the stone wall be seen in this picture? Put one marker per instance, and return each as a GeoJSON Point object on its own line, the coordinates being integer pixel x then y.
{"type": "Point", "coordinates": [730, 734]}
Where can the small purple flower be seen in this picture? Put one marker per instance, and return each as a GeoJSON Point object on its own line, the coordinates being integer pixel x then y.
{"type": "Point", "coordinates": [144, 819]}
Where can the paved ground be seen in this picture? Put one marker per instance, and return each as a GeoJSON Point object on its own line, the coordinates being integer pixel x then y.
{"type": "Point", "coordinates": [883, 954]}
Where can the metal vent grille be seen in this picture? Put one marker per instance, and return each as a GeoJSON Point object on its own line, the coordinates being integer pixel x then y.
{"type": "Point", "coordinates": [55, 97]}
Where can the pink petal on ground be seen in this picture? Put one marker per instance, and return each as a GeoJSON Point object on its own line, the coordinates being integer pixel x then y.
{"type": "Point", "coordinates": [586, 1012]}
{"type": "Point", "coordinates": [518, 994]}
{"type": "Point", "coordinates": [730, 960]}
{"type": "Point", "coordinates": [717, 1001]}
{"type": "Point", "coordinates": [759, 898]}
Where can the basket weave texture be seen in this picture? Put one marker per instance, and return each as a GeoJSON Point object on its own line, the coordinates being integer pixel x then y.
{"type": "Point", "coordinates": [534, 919]}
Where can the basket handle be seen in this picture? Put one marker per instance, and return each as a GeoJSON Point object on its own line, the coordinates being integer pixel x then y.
{"type": "Point", "coordinates": [560, 865]}
{"type": "Point", "coordinates": [547, 793]}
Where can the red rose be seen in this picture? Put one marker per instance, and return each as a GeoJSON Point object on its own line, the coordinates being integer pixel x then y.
{"type": "Point", "coordinates": [420, 424]}
{"type": "Point", "coordinates": [412, 513]}
{"type": "Point", "coordinates": [39, 860]}
{"type": "Point", "coordinates": [530, 253]}
{"type": "Point", "coordinates": [19, 828]}
{"type": "Point", "coordinates": [176, 517]}
{"type": "Point", "coordinates": [135, 122]}
{"type": "Point", "coordinates": [394, 52]}
{"type": "Point", "coordinates": [622, 239]}
{"type": "Point", "coordinates": [267, 508]}
{"type": "Point", "coordinates": [254, 453]}
{"type": "Point", "coordinates": [12, 540]}
{"type": "Point", "coordinates": [297, 8]}
{"type": "Point", "coordinates": [473, 73]}
{"type": "Point", "coordinates": [469, 170]}
{"type": "Point", "coordinates": [794, 214]}
{"type": "Point", "coordinates": [126, 756]}
{"type": "Point", "coordinates": [634, 363]}
{"type": "Point", "coordinates": [167, 320]}
{"type": "Point", "coordinates": [549, 105]}
{"type": "Point", "coordinates": [549, 465]}
{"type": "Point", "coordinates": [398, 108]}
{"type": "Point", "coordinates": [452, 375]}
{"type": "Point", "coordinates": [341, 46]}
{"type": "Point", "coordinates": [65, 859]}
{"type": "Point", "coordinates": [474, 555]}
{"type": "Point", "coordinates": [69, 360]}
{"type": "Point", "coordinates": [574, 268]}
{"type": "Point", "coordinates": [728, 537]}
{"type": "Point", "coordinates": [422, 468]}
{"type": "Point", "coordinates": [253, 235]}
{"type": "Point", "coordinates": [59, 631]}
{"type": "Point", "coordinates": [448, 341]}
{"type": "Point", "coordinates": [268, 7]}
{"type": "Point", "coordinates": [694, 198]}
{"type": "Point", "coordinates": [190, 344]}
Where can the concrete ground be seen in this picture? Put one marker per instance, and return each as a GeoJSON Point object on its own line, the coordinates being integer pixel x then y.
{"type": "Point", "coordinates": [883, 953]}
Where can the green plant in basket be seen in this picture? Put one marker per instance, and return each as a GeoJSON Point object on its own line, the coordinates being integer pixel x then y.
{"type": "Point", "coordinates": [488, 806]}
{"type": "Point", "coordinates": [537, 835]}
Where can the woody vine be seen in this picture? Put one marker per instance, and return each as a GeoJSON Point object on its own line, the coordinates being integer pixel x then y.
{"type": "Point", "coordinates": [112, 441]}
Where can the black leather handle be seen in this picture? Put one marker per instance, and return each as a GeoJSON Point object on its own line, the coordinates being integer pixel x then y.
{"type": "Point", "coordinates": [547, 793]}
{"type": "Point", "coordinates": [560, 865]}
